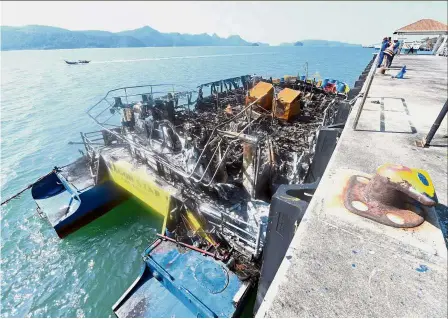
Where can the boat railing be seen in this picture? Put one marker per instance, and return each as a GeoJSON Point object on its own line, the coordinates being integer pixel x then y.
{"type": "Point", "coordinates": [93, 141]}
{"type": "Point", "coordinates": [129, 93]}
{"type": "Point", "coordinates": [233, 226]}
{"type": "Point", "coordinates": [150, 153]}
{"type": "Point", "coordinates": [225, 86]}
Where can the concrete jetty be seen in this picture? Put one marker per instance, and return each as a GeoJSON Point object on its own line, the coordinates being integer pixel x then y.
{"type": "Point", "coordinates": [343, 265]}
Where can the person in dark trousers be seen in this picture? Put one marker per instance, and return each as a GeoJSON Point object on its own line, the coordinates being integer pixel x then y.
{"type": "Point", "coordinates": [384, 45]}
{"type": "Point", "coordinates": [411, 50]}
{"type": "Point", "coordinates": [395, 48]}
{"type": "Point", "coordinates": [388, 52]}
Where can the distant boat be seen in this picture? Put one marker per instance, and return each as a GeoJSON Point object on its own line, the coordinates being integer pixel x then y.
{"type": "Point", "coordinates": [77, 62]}
{"type": "Point", "coordinates": [414, 44]}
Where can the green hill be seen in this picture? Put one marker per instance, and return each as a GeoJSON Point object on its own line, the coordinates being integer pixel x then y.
{"type": "Point", "coordinates": [36, 37]}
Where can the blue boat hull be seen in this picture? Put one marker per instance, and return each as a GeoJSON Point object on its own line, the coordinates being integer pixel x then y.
{"type": "Point", "coordinates": [68, 208]}
{"type": "Point", "coordinates": [180, 282]}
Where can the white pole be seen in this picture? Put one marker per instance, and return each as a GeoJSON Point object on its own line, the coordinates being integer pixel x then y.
{"type": "Point", "coordinates": [437, 45]}
{"type": "Point", "coordinates": [442, 45]}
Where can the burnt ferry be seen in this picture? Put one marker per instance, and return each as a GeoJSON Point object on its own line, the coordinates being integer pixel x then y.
{"type": "Point", "coordinates": [230, 165]}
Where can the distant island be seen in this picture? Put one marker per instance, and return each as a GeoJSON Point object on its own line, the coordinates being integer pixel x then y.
{"type": "Point", "coordinates": [37, 37]}
{"type": "Point", "coordinates": [320, 43]}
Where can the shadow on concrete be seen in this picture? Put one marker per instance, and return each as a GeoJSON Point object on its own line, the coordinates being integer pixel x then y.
{"type": "Point", "coordinates": [398, 69]}
{"type": "Point", "coordinates": [438, 145]}
{"type": "Point", "coordinates": [439, 141]}
{"type": "Point", "coordinates": [413, 129]}
{"type": "Point", "coordinates": [383, 116]}
{"type": "Point", "coordinates": [376, 131]}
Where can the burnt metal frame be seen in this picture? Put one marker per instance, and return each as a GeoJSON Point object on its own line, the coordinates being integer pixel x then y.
{"type": "Point", "coordinates": [157, 157]}
{"type": "Point", "coordinates": [254, 246]}
{"type": "Point", "coordinates": [151, 153]}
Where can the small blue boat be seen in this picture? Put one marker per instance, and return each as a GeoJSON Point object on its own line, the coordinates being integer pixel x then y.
{"type": "Point", "coordinates": [177, 281]}
{"type": "Point", "coordinates": [70, 198]}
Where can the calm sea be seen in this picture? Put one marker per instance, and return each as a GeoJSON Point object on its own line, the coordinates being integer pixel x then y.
{"type": "Point", "coordinates": [43, 101]}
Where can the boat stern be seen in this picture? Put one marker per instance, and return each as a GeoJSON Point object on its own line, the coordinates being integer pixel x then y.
{"type": "Point", "coordinates": [177, 281]}
{"type": "Point", "coordinates": [71, 201]}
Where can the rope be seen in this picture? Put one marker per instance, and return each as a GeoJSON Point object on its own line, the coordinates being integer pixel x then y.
{"type": "Point", "coordinates": [24, 189]}
{"type": "Point", "coordinates": [55, 169]}
{"type": "Point", "coordinates": [210, 289]}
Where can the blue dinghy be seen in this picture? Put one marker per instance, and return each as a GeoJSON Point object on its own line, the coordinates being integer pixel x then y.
{"type": "Point", "coordinates": [70, 199]}
{"type": "Point", "coordinates": [177, 281]}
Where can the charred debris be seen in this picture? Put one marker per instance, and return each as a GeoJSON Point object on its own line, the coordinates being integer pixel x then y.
{"type": "Point", "coordinates": [225, 147]}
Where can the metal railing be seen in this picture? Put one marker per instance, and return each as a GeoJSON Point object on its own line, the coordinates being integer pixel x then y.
{"type": "Point", "coordinates": [156, 90]}
{"type": "Point", "coordinates": [153, 154]}
{"type": "Point", "coordinates": [248, 236]}
{"type": "Point", "coordinates": [93, 143]}
{"type": "Point", "coordinates": [365, 90]}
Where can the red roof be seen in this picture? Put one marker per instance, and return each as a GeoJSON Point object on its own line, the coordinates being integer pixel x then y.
{"type": "Point", "coordinates": [424, 25]}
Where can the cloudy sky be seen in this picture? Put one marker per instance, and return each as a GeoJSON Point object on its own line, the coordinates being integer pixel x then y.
{"type": "Point", "coordinates": [271, 22]}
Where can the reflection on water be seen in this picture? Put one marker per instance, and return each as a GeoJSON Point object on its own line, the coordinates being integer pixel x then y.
{"type": "Point", "coordinates": [81, 275]}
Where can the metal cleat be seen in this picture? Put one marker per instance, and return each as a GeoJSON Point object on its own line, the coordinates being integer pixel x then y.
{"type": "Point", "coordinates": [396, 196]}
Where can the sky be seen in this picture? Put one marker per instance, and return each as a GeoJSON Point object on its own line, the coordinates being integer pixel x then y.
{"type": "Point", "coordinates": [268, 22]}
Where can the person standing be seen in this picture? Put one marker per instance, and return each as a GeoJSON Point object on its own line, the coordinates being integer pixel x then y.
{"type": "Point", "coordinates": [389, 52]}
{"type": "Point", "coordinates": [395, 48]}
{"type": "Point", "coordinates": [383, 47]}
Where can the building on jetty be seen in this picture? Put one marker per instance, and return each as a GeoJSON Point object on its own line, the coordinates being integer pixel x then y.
{"type": "Point", "coordinates": [426, 27]}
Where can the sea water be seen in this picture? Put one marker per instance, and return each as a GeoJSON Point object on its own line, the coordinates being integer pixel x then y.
{"type": "Point", "coordinates": [43, 103]}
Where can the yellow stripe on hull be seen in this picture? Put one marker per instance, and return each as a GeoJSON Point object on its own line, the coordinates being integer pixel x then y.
{"type": "Point", "coordinates": [141, 185]}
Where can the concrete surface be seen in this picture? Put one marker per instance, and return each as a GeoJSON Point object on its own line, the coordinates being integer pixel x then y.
{"type": "Point", "coordinates": [342, 265]}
